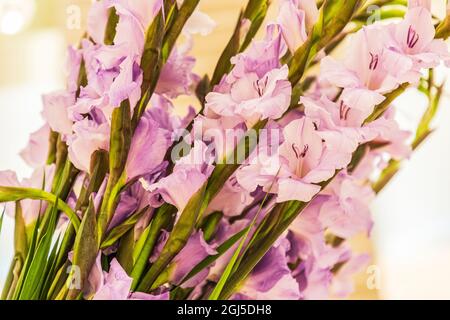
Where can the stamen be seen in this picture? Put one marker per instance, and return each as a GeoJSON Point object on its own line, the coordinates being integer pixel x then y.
{"type": "Point", "coordinates": [300, 158]}
{"type": "Point", "coordinates": [343, 111]}
{"type": "Point", "coordinates": [374, 59]}
{"type": "Point", "coordinates": [412, 38]}
{"type": "Point", "coordinates": [260, 86]}
{"type": "Point", "coordinates": [305, 151]}
{"type": "Point", "coordinates": [316, 127]}
{"type": "Point", "coordinates": [296, 151]}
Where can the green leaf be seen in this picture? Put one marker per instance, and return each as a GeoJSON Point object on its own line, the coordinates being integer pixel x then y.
{"type": "Point", "coordinates": [336, 15]}
{"type": "Point", "coordinates": [176, 241]}
{"type": "Point", "coordinates": [9, 194]}
{"type": "Point", "coordinates": [36, 273]}
{"type": "Point", "coordinates": [1, 220]}
{"type": "Point", "coordinates": [224, 247]}
{"type": "Point", "coordinates": [232, 48]}
{"type": "Point", "coordinates": [58, 282]}
{"type": "Point", "coordinates": [256, 12]}
{"type": "Point", "coordinates": [117, 232]}
{"type": "Point", "coordinates": [12, 278]}
{"type": "Point", "coordinates": [139, 245]}
{"type": "Point", "coordinates": [209, 225]}
{"type": "Point", "coordinates": [20, 233]}
{"type": "Point", "coordinates": [53, 139]}
{"type": "Point", "coordinates": [125, 251]}
{"type": "Point", "coordinates": [443, 29]}
{"type": "Point", "coordinates": [110, 31]}
{"type": "Point", "coordinates": [120, 142]}
{"type": "Point", "coordinates": [233, 263]}
{"type": "Point", "coordinates": [85, 250]}
{"type": "Point", "coordinates": [98, 170]}
{"type": "Point", "coordinates": [380, 109]}
{"type": "Point", "coordinates": [146, 244]}
{"type": "Point", "coordinates": [99, 167]}
{"type": "Point", "coordinates": [299, 61]}
{"type": "Point", "coordinates": [172, 34]}
{"type": "Point", "coordinates": [50, 270]}
{"type": "Point", "coordinates": [202, 89]}
{"type": "Point", "coordinates": [15, 292]}
{"type": "Point", "coordinates": [151, 64]}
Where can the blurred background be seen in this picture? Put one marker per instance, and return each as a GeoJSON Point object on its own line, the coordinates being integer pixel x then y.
{"type": "Point", "coordinates": [410, 244]}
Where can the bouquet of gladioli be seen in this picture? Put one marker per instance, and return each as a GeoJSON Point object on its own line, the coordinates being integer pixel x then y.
{"type": "Point", "coordinates": [255, 192]}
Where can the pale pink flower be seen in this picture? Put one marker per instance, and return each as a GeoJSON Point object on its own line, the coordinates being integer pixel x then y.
{"type": "Point", "coordinates": [420, 3]}
{"type": "Point", "coordinates": [311, 11]}
{"type": "Point", "coordinates": [292, 23]}
{"type": "Point", "coordinates": [231, 200]}
{"type": "Point", "coordinates": [393, 140]}
{"type": "Point", "coordinates": [176, 76]}
{"type": "Point", "coordinates": [190, 172]}
{"type": "Point", "coordinates": [135, 18]}
{"type": "Point", "coordinates": [149, 135]}
{"type": "Point", "coordinates": [114, 284]}
{"type": "Point", "coordinates": [343, 282]}
{"type": "Point", "coordinates": [363, 74]}
{"type": "Point", "coordinates": [199, 23]}
{"type": "Point", "coordinates": [55, 111]}
{"type": "Point", "coordinates": [305, 159]}
{"type": "Point", "coordinates": [261, 57]}
{"type": "Point", "coordinates": [73, 67]}
{"type": "Point", "coordinates": [345, 211]}
{"type": "Point", "coordinates": [336, 120]}
{"type": "Point", "coordinates": [413, 39]}
{"type": "Point", "coordinates": [193, 253]}
{"type": "Point", "coordinates": [253, 98]}
{"type": "Point", "coordinates": [271, 278]}
{"type": "Point", "coordinates": [36, 152]}
{"type": "Point", "coordinates": [88, 137]}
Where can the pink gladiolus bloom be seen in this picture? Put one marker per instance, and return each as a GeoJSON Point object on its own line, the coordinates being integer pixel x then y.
{"type": "Point", "coordinates": [343, 284]}
{"type": "Point", "coordinates": [253, 98]}
{"type": "Point", "coordinates": [388, 132]}
{"type": "Point", "coordinates": [135, 18]}
{"type": "Point", "coordinates": [346, 210]}
{"type": "Point", "coordinates": [55, 111]}
{"type": "Point", "coordinates": [36, 152]}
{"type": "Point", "coordinates": [306, 160]}
{"type": "Point", "coordinates": [292, 24]}
{"type": "Point", "coordinates": [188, 176]}
{"type": "Point", "coordinates": [363, 74]}
{"type": "Point", "coordinates": [115, 284]}
{"type": "Point", "coordinates": [176, 76]}
{"type": "Point", "coordinates": [420, 3]}
{"type": "Point", "coordinates": [271, 278]}
{"type": "Point", "coordinates": [231, 200]}
{"type": "Point", "coordinates": [199, 23]}
{"type": "Point", "coordinates": [310, 9]}
{"type": "Point", "coordinates": [193, 253]}
{"type": "Point", "coordinates": [338, 121]}
{"type": "Point", "coordinates": [413, 39]}
{"type": "Point", "coordinates": [149, 135]}
{"type": "Point", "coordinates": [73, 67]}
{"type": "Point", "coordinates": [88, 137]}
{"type": "Point", "coordinates": [257, 88]}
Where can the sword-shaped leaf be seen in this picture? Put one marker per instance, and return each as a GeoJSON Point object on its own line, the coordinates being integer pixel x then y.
{"type": "Point", "coordinates": [9, 194]}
